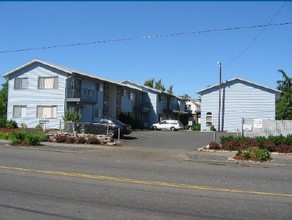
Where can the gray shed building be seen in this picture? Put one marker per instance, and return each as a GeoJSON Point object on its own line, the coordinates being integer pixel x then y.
{"type": "Point", "coordinates": [239, 99]}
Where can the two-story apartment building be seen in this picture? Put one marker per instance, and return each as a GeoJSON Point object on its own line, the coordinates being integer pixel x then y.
{"type": "Point", "coordinates": [158, 105]}
{"type": "Point", "coordinates": [40, 90]}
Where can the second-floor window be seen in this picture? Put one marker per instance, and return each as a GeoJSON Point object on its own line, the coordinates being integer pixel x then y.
{"type": "Point", "coordinates": [20, 83]}
{"type": "Point", "coordinates": [132, 96]}
{"type": "Point", "coordinates": [48, 82]}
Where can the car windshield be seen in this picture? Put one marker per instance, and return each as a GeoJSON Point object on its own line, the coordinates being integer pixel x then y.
{"type": "Point", "coordinates": [117, 122]}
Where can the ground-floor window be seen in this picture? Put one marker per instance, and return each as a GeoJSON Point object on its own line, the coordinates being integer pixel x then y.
{"type": "Point", "coordinates": [46, 111]}
{"type": "Point", "coordinates": [19, 111]}
{"type": "Point", "coordinates": [209, 119]}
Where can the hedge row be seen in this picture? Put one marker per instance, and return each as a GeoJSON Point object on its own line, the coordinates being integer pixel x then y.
{"type": "Point", "coordinates": [24, 137]}
{"type": "Point", "coordinates": [281, 144]}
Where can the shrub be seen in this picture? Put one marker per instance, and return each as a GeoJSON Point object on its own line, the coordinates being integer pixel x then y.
{"type": "Point", "coordinates": [262, 154]}
{"type": "Point", "coordinates": [196, 127]}
{"type": "Point", "coordinates": [214, 146]}
{"type": "Point", "coordinates": [11, 124]}
{"type": "Point", "coordinates": [248, 142]}
{"type": "Point", "coordinates": [283, 148]}
{"type": "Point", "coordinates": [39, 127]}
{"type": "Point", "coordinates": [244, 153]}
{"type": "Point", "coordinates": [72, 116]}
{"type": "Point", "coordinates": [5, 136]}
{"type": "Point", "coordinates": [230, 145]}
{"type": "Point", "coordinates": [225, 139]}
{"type": "Point", "coordinates": [23, 125]}
{"type": "Point", "coordinates": [289, 139]}
{"type": "Point", "coordinates": [269, 145]}
{"type": "Point", "coordinates": [261, 141]}
{"type": "Point", "coordinates": [2, 122]}
{"type": "Point", "coordinates": [280, 139]}
{"type": "Point", "coordinates": [254, 153]}
{"type": "Point", "coordinates": [32, 139]}
{"type": "Point", "coordinates": [212, 128]}
{"type": "Point", "coordinates": [18, 135]}
{"type": "Point", "coordinates": [187, 127]}
{"type": "Point", "coordinates": [14, 141]}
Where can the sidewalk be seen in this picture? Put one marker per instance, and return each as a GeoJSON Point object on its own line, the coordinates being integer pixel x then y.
{"type": "Point", "coordinates": [227, 157]}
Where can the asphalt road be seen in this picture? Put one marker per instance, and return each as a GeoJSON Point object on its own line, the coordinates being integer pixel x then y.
{"type": "Point", "coordinates": [109, 183]}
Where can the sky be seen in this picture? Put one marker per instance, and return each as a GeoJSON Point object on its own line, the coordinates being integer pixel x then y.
{"type": "Point", "coordinates": [187, 61]}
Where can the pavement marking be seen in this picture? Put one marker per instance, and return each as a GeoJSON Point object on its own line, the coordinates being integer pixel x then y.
{"type": "Point", "coordinates": [142, 182]}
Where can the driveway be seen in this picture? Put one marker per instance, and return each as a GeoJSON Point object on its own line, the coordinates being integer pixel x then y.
{"type": "Point", "coordinates": [183, 140]}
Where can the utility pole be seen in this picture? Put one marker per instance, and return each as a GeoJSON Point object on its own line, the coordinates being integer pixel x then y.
{"type": "Point", "coordinates": [220, 82]}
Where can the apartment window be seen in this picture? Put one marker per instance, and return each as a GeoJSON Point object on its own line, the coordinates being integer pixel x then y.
{"type": "Point", "coordinates": [97, 87]}
{"type": "Point", "coordinates": [48, 82]}
{"type": "Point", "coordinates": [209, 119]}
{"type": "Point", "coordinates": [132, 96]}
{"type": "Point", "coordinates": [125, 92]}
{"type": "Point", "coordinates": [19, 111]}
{"type": "Point", "coordinates": [20, 83]}
{"type": "Point", "coordinates": [46, 111]}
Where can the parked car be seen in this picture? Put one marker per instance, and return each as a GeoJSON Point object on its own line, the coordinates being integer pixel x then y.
{"type": "Point", "coordinates": [104, 126]}
{"type": "Point", "coordinates": [113, 125]}
{"type": "Point", "coordinates": [172, 125]}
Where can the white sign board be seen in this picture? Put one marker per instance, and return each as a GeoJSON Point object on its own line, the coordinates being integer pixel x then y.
{"type": "Point", "coordinates": [257, 123]}
{"type": "Point", "coordinates": [247, 127]}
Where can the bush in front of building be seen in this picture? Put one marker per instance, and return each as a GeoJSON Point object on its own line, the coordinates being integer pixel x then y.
{"type": "Point", "coordinates": [280, 143]}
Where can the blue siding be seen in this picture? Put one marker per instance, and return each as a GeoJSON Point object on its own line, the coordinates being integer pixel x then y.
{"type": "Point", "coordinates": [239, 99]}
{"type": "Point", "coordinates": [32, 96]}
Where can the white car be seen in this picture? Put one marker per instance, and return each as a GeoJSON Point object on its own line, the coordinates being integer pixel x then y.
{"type": "Point", "coordinates": [172, 125]}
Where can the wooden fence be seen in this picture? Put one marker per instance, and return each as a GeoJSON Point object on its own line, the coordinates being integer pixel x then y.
{"type": "Point", "coordinates": [265, 127]}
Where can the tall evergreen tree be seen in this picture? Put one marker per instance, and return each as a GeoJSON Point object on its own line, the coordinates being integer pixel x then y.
{"type": "Point", "coordinates": [149, 83]}
{"type": "Point", "coordinates": [3, 103]}
{"type": "Point", "coordinates": [284, 104]}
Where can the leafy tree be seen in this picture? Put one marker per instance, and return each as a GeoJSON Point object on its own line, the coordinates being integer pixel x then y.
{"type": "Point", "coordinates": [170, 89]}
{"type": "Point", "coordinates": [159, 85]}
{"type": "Point", "coordinates": [284, 105]}
{"type": "Point", "coordinates": [186, 96]}
{"type": "Point", "coordinates": [3, 103]}
{"type": "Point", "coordinates": [149, 83]}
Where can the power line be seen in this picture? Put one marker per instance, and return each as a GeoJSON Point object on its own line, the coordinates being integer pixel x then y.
{"type": "Point", "coordinates": [255, 39]}
{"type": "Point", "coordinates": [146, 37]}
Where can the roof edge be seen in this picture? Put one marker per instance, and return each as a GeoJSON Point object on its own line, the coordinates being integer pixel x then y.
{"type": "Point", "coordinates": [240, 79]}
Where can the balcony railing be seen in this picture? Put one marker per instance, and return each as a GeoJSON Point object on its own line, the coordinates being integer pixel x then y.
{"type": "Point", "coordinates": [143, 107]}
{"type": "Point", "coordinates": [84, 95]}
{"type": "Point", "coordinates": [172, 107]}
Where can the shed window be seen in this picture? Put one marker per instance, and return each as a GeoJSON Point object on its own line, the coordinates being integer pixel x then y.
{"type": "Point", "coordinates": [20, 83]}
{"type": "Point", "coordinates": [48, 82]}
{"type": "Point", "coordinates": [209, 119]}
